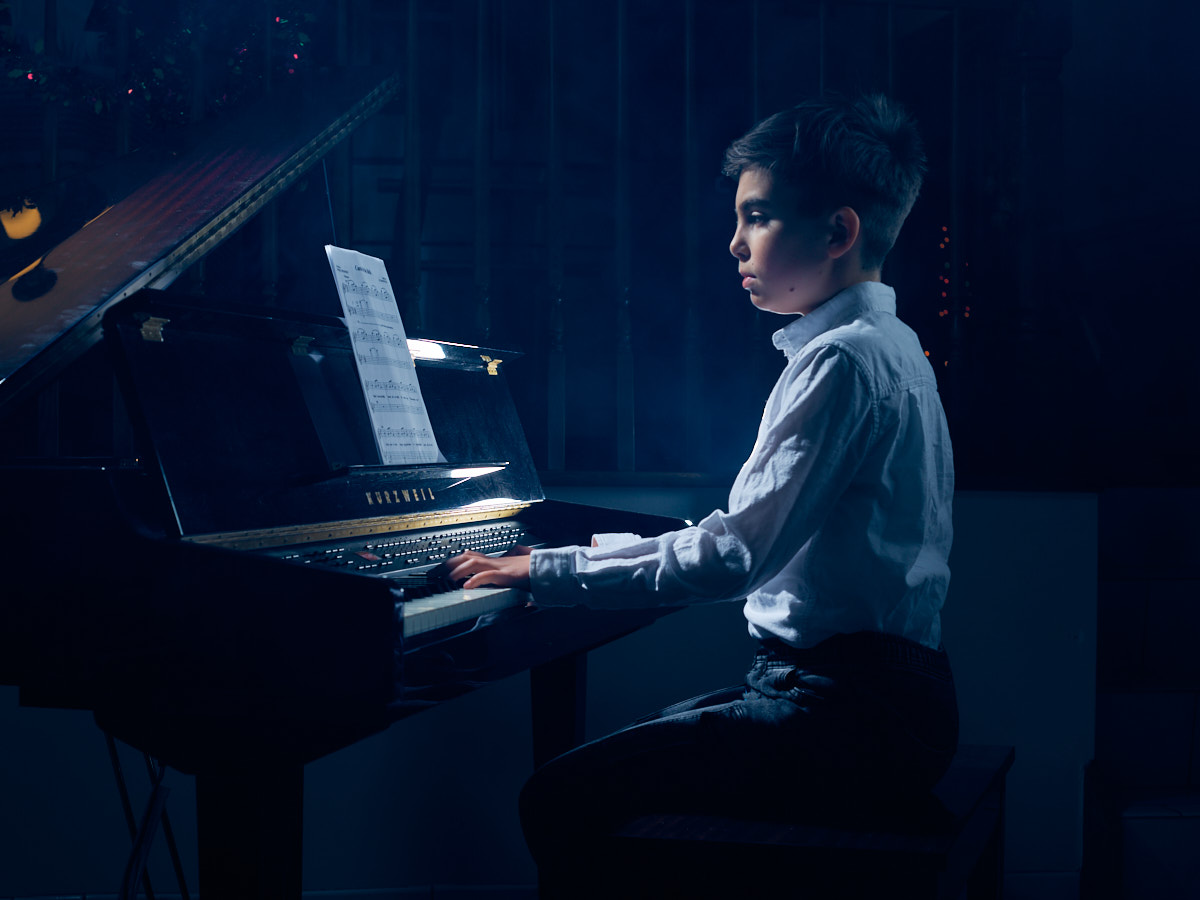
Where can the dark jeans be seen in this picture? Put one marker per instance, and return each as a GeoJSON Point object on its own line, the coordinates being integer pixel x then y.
{"type": "Point", "coordinates": [856, 716]}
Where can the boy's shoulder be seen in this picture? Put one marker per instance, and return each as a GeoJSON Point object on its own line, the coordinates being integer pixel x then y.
{"type": "Point", "coordinates": [885, 351]}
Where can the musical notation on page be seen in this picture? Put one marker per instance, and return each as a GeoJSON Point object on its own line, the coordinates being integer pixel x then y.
{"type": "Point", "coordinates": [385, 367]}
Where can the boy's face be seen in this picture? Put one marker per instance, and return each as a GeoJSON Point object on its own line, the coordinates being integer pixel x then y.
{"type": "Point", "coordinates": [783, 255]}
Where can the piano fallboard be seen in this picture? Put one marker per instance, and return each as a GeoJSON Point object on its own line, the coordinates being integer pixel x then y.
{"type": "Point", "coordinates": [255, 422]}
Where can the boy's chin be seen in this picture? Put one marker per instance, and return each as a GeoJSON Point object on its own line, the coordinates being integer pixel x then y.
{"type": "Point", "coordinates": [788, 306]}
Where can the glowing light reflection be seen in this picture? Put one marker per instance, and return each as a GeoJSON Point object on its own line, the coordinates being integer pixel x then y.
{"type": "Point", "coordinates": [474, 472]}
{"type": "Point", "coordinates": [29, 268]}
{"type": "Point", "coordinates": [425, 350]}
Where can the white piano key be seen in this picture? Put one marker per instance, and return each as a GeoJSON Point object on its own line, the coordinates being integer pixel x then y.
{"type": "Point", "coordinates": [453, 607]}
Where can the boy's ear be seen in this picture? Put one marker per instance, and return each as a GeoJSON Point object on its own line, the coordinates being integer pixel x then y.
{"type": "Point", "coordinates": [844, 229]}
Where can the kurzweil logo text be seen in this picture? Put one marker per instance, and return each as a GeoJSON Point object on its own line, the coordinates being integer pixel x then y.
{"type": "Point", "coordinates": [416, 495]}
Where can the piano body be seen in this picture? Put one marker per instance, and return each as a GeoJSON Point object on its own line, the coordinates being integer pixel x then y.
{"type": "Point", "coordinates": [236, 584]}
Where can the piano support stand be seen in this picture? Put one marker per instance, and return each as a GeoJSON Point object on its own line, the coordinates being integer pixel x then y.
{"type": "Point", "coordinates": [249, 822]}
{"type": "Point", "coordinates": [558, 696]}
{"type": "Point", "coordinates": [250, 828]}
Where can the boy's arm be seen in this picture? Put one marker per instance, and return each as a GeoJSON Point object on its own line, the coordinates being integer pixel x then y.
{"type": "Point", "coordinates": [816, 432]}
{"type": "Point", "coordinates": [475, 569]}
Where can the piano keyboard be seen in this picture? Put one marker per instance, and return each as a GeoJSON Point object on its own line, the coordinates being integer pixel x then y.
{"type": "Point", "coordinates": [391, 555]}
{"type": "Point", "coordinates": [405, 560]}
{"type": "Point", "coordinates": [452, 607]}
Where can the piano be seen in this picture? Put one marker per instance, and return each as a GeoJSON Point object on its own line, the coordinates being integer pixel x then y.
{"type": "Point", "coordinates": [199, 543]}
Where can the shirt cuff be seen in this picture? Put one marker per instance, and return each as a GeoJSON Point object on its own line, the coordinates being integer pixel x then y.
{"type": "Point", "coordinates": [615, 539]}
{"type": "Point", "coordinates": [552, 576]}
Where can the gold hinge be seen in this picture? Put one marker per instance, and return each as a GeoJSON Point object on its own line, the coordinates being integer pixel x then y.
{"type": "Point", "coordinates": [300, 345]}
{"type": "Point", "coordinates": [152, 329]}
{"type": "Point", "coordinates": [493, 365]}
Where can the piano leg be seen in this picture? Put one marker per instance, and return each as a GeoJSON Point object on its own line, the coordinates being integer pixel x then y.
{"type": "Point", "coordinates": [250, 833]}
{"type": "Point", "coordinates": [558, 699]}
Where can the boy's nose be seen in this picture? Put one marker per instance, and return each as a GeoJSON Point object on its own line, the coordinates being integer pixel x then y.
{"type": "Point", "coordinates": [738, 247]}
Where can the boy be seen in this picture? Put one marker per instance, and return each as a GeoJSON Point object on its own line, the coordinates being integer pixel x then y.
{"type": "Point", "coordinates": [838, 529]}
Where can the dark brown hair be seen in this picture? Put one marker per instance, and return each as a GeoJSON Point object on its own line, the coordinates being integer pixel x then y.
{"type": "Point", "coordinates": [863, 153]}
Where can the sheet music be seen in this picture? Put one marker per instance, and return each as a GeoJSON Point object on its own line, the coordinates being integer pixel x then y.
{"type": "Point", "coordinates": [385, 367]}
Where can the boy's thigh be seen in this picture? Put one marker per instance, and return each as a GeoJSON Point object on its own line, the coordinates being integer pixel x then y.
{"type": "Point", "coordinates": [710, 700]}
{"type": "Point", "coordinates": [731, 751]}
{"type": "Point", "coordinates": [689, 756]}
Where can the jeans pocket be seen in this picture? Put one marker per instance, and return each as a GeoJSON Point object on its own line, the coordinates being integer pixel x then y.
{"type": "Point", "coordinates": [784, 682]}
{"type": "Point", "coordinates": [774, 681]}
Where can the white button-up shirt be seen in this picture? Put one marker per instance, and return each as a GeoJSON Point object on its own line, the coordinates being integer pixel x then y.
{"type": "Point", "coordinates": [840, 520]}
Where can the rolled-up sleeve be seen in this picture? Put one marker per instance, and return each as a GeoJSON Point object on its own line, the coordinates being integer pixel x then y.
{"type": "Point", "coordinates": [816, 429]}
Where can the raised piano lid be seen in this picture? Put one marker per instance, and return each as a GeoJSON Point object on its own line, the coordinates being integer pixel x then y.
{"type": "Point", "coordinates": [256, 423]}
{"type": "Point", "coordinates": [171, 221]}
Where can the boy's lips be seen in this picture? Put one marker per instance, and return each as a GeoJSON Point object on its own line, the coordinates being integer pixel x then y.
{"type": "Point", "coordinates": [747, 281]}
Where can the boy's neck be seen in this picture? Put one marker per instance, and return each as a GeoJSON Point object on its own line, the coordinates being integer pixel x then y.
{"type": "Point", "coordinates": [841, 278]}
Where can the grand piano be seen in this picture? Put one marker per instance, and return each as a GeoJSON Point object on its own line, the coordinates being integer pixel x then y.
{"type": "Point", "coordinates": [236, 585]}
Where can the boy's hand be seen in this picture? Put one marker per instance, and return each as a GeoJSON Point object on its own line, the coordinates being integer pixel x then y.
{"type": "Point", "coordinates": [477, 569]}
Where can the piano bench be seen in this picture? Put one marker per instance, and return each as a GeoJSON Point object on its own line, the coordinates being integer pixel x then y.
{"type": "Point", "coordinates": [939, 846]}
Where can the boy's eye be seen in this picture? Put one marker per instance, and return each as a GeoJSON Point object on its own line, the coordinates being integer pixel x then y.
{"type": "Point", "coordinates": [753, 217]}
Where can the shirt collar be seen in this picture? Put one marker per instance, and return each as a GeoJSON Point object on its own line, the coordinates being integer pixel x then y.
{"type": "Point", "coordinates": [842, 307]}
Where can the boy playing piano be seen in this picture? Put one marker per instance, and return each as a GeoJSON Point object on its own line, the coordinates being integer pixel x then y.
{"type": "Point", "coordinates": [838, 528]}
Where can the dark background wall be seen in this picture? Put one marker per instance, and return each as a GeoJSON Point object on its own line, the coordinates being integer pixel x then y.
{"type": "Point", "coordinates": [565, 200]}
